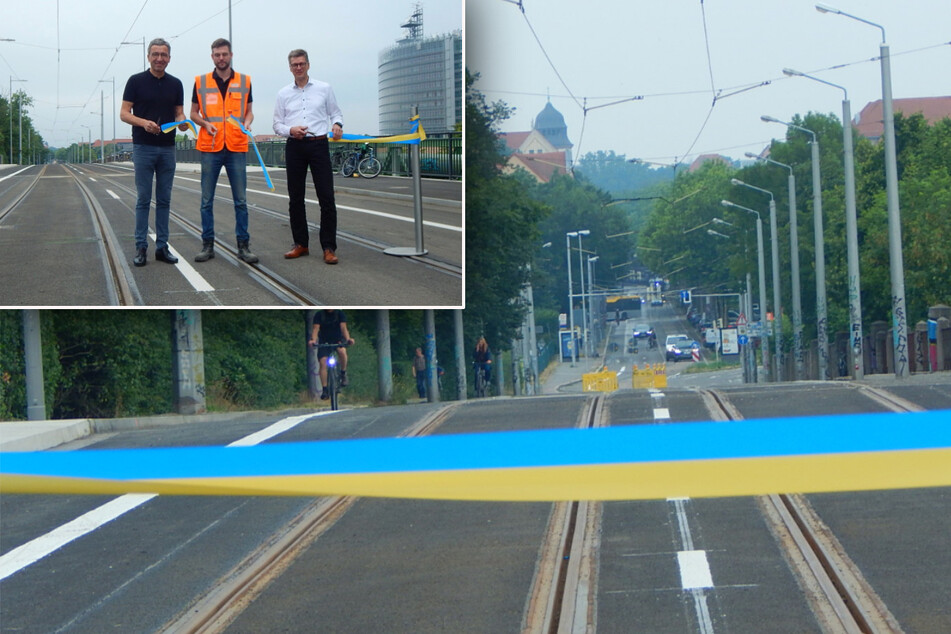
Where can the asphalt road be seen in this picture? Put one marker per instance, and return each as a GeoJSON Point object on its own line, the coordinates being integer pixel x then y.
{"type": "Point", "coordinates": [54, 253]}
{"type": "Point", "coordinates": [430, 566]}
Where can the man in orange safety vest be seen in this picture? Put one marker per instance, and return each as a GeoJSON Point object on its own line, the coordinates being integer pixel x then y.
{"type": "Point", "coordinates": [216, 97]}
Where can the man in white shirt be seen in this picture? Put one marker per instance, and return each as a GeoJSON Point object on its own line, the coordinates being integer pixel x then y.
{"type": "Point", "coordinates": [305, 112]}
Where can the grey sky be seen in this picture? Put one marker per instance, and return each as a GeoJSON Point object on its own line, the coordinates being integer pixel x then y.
{"type": "Point", "coordinates": [606, 50]}
{"type": "Point", "coordinates": [343, 40]}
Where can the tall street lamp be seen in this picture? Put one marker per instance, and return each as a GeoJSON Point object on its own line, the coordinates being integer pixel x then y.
{"type": "Point", "coordinates": [777, 290]}
{"type": "Point", "coordinates": [762, 269]}
{"type": "Point", "coordinates": [591, 260]}
{"type": "Point", "coordinates": [90, 141]}
{"type": "Point", "coordinates": [851, 228]}
{"type": "Point", "coordinates": [895, 257]}
{"type": "Point", "coordinates": [571, 298]}
{"type": "Point", "coordinates": [144, 56]}
{"type": "Point", "coordinates": [794, 261]}
{"type": "Point", "coordinates": [11, 119]}
{"type": "Point", "coordinates": [584, 305]}
{"type": "Point", "coordinates": [113, 81]}
{"type": "Point", "coordinates": [821, 312]}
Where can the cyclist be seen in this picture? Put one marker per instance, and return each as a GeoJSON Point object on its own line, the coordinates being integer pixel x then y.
{"type": "Point", "coordinates": [330, 326]}
{"type": "Point", "coordinates": [482, 359]}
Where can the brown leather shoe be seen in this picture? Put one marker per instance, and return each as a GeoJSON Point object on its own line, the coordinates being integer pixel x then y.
{"type": "Point", "coordinates": [329, 257]}
{"type": "Point", "coordinates": [296, 252]}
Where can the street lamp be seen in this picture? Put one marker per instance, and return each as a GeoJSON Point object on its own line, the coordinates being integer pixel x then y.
{"type": "Point", "coordinates": [762, 268]}
{"type": "Point", "coordinates": [584, 303]}
{"type": "Point", "coordinates": [851, 228]}
{"type": "Point", "coordinates": [821, 316]}
{"type": "Point", "coordinates": [777, 289]}
{"type": "Point", "coordinates": [113, 81]}
{"type": "Point", "coordinates": [896, 261]}
{"type": "Point", "coordinates": [794, 261]}
{"type": "Point", "coordinates": [90, 141]}
{"type": "Point", "coordinates": [711, 232]}
{"type": "Point", "coordinates": [591, 259]}
{"type": "Point", "coordinates": [144, 56]}
{"type": "Point", "coordinates": [11, 119]}
{"type": "Point", "coordinates": [571, 297]}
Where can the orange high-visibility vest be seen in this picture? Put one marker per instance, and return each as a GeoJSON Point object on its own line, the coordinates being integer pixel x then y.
{"type": "Point", "coordinates": [216, 110]}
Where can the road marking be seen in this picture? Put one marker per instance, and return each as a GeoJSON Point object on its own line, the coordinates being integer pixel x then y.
{"type": "Point", "coordinates": [694, 569]}
{"type": "Point", "coordinates": [38, 548]}
{"type": "Point", "coordinates": [661, 413]}
{"type": "Point", "coordinates": [93, 179]}
{"type": "Point", "coordinates": [113, 194]}
{"type": "Point", "coordinates": [14, 174]}
{"type": "Point", "coordinates": [187, 270]}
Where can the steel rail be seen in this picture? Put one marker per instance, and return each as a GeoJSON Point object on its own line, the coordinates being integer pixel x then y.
{"type": "Point", "coordinates": [19, 198]}
{"type": "Point", "coordinates": [842, 599]}
{"type": "Point", "coordinates": [215, 610]}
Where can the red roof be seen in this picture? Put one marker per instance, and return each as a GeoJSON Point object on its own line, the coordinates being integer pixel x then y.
{"type": "Point", "coordinates": [869, 121]}
{"type": "Point", "coordinates": [542, 166]}
{"type": "Point", "coordinates": [514, 140]}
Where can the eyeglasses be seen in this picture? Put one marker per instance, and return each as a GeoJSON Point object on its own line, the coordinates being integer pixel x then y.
{"type": "Point", "coordinates": [299, 65]}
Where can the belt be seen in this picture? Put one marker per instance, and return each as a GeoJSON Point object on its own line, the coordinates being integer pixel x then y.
{"type": "Point", "coordinates": [307, 138]}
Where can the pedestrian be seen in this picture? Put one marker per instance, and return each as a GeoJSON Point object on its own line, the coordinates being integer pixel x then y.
{"type": "Point", "coordinates": [216, 96]}
{"type": "Point", "coordinates": [330, 326]}
{"type": "Point", "coordinates": [152, 98]}
{"type": "Point", "coordinates": [305, 112]}
{"type": "Point", "coordinates": [419, 372]}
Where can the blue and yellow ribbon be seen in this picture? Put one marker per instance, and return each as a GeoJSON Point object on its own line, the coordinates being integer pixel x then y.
{"type": "Point", "coordinates": [267, 177]}
{"type": "Point", "coordinates": [803, 455]}
{"type": "Point", "coordinates": [416, 135]}
{"type": "Point", "coordinates": [168, 127]}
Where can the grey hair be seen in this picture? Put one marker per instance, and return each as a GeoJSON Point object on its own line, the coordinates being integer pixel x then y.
{"type": "Point", "coordinates": [160, 42]}
{"type": "Point", "coordinates": [298, 52]}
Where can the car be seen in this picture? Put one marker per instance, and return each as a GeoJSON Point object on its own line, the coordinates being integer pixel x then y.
{"type": "Point", "coordinates": [657, 301]}
{"type": "Point", "coordinates": [679, 347]}
{"type": "Point", "coordinates": [642, 330]}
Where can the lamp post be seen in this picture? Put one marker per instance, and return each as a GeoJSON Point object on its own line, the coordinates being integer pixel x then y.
{"type": "Point", "coordinates": [851, 229]}
{"type": "Point", "coordinates": [11, 119]}
{"type": "Point", "coordinates": [777, 289]}
{"type": "Point", "coordinates": [895, 257]}
{"type": "Point", "coordinates": [571, 298]}
{"type": "Point", "coordinates": [591, 260]}
{"type": "Point", "coordinates": [90, 141]}
{"type": "Point", "coordinates": [794, 262]}
{"type": "Point", "coordinates": [113, 81]}
{"type": "Point", "coordinates": [144, 56]}
{"type": "Point", "coordinates": [584, 305]}
{"type": "Point", "coordinates": [762, 270]}
{"type": "Point", "coordinates": [821, 315]}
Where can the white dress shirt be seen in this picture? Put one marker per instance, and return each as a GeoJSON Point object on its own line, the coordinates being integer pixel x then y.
{"type": "Point", "coordinates": [314, 106]}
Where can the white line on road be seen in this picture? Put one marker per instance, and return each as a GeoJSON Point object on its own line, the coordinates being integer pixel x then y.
{"type": "Point", "coordinates": [187, 270]}
{"type": "Point", "coordinates": [14, 174]}
{"type": "Point", "coordinates": [113, 194]}
{"type": "Point", "coordinates": [694, 569]}
{"type": "Point", "coordinates": [38, 548]}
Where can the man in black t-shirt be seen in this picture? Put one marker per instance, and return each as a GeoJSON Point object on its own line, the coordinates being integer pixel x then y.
{"type": "Point", "coordinates": [151, 99]}
{"type": "Point", "coordinates": [330, 326]}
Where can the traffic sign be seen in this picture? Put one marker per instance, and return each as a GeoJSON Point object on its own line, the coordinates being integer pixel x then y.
{"type": "Point", "coordinates": [743, 339]}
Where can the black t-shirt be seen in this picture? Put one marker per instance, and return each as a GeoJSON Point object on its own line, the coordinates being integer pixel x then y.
{"type": "Point", "coordinates": [329, 322]}
{"type": "Point", "coordinates": [154, 98]}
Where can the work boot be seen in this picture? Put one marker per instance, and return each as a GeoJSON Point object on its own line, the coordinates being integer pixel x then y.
{"type": "Point", "coordinates": [244, 253]}
{"type": "Point", "coordinates": [207, 251]}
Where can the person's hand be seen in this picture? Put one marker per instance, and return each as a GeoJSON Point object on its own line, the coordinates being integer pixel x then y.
{"type": "Point", "coordinates": [350, 341]}
{"type": "Point", "coordinates": [210, 128]}
{"type": "Point", "coordinates": [312, 342]}
{"type": "Point", "coordinates": [337, 132]}
{"type": "Point", "coordinates": [299, 131]}
{"type": "Point", "coordinates": [182, 126]}
{"type": "Point", "coordinates": [152, 127]}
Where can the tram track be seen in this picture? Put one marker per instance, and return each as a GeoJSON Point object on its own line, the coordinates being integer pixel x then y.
{"type": "Point", "coordinates": [215, 610]}
{"type": "Point", "coordinates": [21, 196]}
{"type": "Point", "coordinates": [841, 598]}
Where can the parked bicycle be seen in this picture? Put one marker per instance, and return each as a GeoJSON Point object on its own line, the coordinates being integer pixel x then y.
{"type": "Point", "coordinates": [333, 370]}
{"type": "Point", "coordinates": [363, 162]}
{"type": "Point", "coordinates": [337, 158]}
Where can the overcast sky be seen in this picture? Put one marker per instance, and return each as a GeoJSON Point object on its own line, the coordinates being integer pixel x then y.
{"type": "Point", "coordinates": [607, 50]}
{"type": "Point", "coordinates": [343, 40]}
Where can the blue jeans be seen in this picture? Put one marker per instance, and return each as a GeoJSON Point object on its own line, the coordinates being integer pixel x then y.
{"type": "Point", "coordinates": [235, 164]}
{"type": "Point", "coordinates": [158, 162]}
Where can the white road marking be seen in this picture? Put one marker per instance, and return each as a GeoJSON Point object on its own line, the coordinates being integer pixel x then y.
{"type": "Point", "coordinates": [38, 548]}
{"type": "Point", "coordinates": [661, 413]}
{"type": "Point", "coordinates": [113, 194]}
{"type": "Point", "coordinates": [187, 270]}
{"type": "Point", "coordinates": [14, 174]}
{"type": "Point", "coordinates": [694, 569]}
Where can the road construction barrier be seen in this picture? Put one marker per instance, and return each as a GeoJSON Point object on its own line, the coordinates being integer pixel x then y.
{"type": "Point", "coordinates": [648, 377]}
{"type": "Point", "coordinates": [603, 381]}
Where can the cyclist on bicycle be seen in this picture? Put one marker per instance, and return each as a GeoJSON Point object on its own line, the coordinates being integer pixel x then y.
{"type": "Point", "coordinates": [482, 359]}
{"type": "Point", "coordinates": [330, 326]}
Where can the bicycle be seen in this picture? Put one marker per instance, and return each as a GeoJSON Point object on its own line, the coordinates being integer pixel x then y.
{"type": "Point", "coordinates": [333, 371]}
{"type": "Point", "coordinates": [363, 162]}
{"type": "Point", "coordinates": [481, 384]}
{"type": "Point", "coordinates": [337, 157]}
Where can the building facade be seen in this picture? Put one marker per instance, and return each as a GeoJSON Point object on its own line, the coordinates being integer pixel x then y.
{"type": "Point", "coordinates": [424, 72]}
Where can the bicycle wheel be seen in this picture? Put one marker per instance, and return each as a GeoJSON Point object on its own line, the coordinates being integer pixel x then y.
{"type": "Point", "coordinates": [349, 165]}
{"type": "Point", "coordinates": [370, 167]}
{"type": "Point", "coordinates": [336, 161]}
{"type": "Point", "coordinates": [480, 384]}
{"type": "Point", "coordinates": [332, 383]}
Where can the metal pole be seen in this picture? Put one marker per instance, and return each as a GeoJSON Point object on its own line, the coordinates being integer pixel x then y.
{"type": "Point", "coordinates": [852, 244]}
{"type": "Point", "coordinates": [188, 363]}
{"type": "Point", "coordinates": [584, 308]}
{"type": "Point", "coordinates": [385, 355]}
{"type": "Point", "coordinates": [429, 324]}
{"type": "Point", "coordinates": [102, 129]}
{"type": "Point", "coordinates": [571, 308]}
{"type": "Point", "coordinates": [821, 317]}
{"type": "Point", "coordinates": [310, 354]}
{"type": "Point", "coordinates": [33, 360]}
{"type": "Point", "coordinates": [777, 292]}
{"type": "Point", "coordinates": [896, 259]}
{"type": "Point", "coordinates": [796, 289]}
{"type": "Point", "coordinates": [417, 203]}
{"type": "Point", "coordinates": [461, 377]}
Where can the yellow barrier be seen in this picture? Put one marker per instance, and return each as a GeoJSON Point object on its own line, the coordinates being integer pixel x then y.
{"type": "Point", "coordinates": [660, 375]}
{"type": "Point", "coordinates": [604, 381]}
{"type": "Point", "coordinates": [648, 377]}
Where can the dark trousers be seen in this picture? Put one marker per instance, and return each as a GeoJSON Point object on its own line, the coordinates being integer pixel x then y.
{"type": "Point", "coordinates": [315, 154]}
